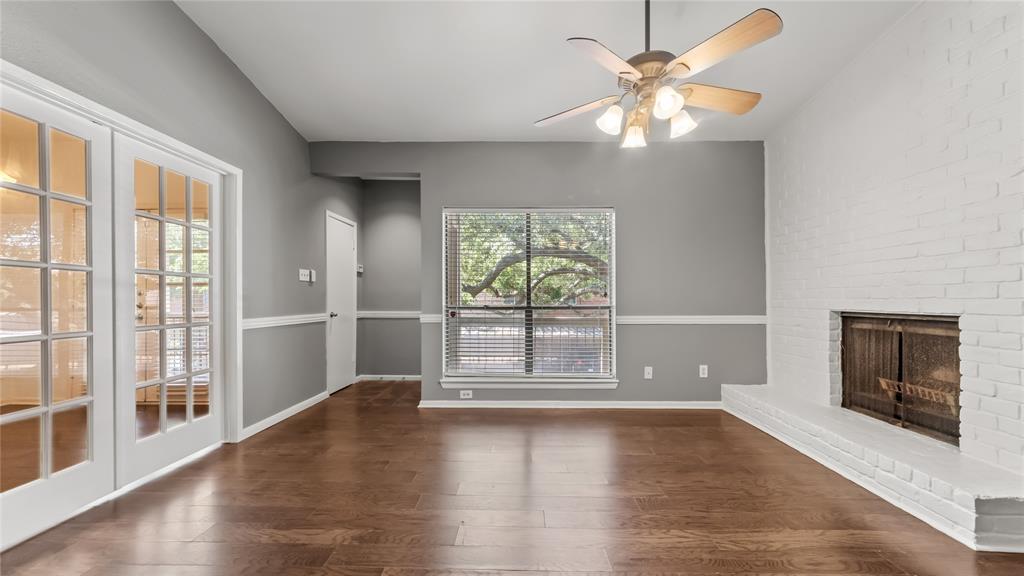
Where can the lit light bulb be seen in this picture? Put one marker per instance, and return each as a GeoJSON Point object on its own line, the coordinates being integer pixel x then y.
{"type": "Point", "coordinates": [667, 102]}
{"type": "Point", "coordinates": [634, 137]}
{"type": "Point", "coordinates": [681, 124]}
{"type": "Point", "coordinates": [611, 121]}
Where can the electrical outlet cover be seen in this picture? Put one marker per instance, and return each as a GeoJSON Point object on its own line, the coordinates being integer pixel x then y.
{"type": "Point", "coordinates": [465, 394]}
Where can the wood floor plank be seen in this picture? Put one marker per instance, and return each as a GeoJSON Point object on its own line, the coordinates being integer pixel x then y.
{"type": "Point", "coordinates": [150, 531]}
{"type": "Point", "coordinates": [583, 537]}
{"type": "Point", "coordinates": [448, 501]}
{"type": "Point", "coordinates": [440, 518]}
{"type": "Point", "coordinates": [825, 560]}
{"type": "Point", "coordinates": [474, 557]}
{"type": "Point", "coordinates": [366, 484]}
{"type": "Point", "coordinates": [325, 536]}
{"type": "Point", "coordinates": [558, 489]}
{"type": "Point", "coordinates": [443, 473]}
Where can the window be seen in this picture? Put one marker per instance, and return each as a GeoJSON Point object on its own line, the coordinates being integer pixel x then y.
{"type": "Point", "coordinates": [529, 294]}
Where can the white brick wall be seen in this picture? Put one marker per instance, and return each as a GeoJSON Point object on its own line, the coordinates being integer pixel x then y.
{"type": "Point", "coordinates": [899, 188]}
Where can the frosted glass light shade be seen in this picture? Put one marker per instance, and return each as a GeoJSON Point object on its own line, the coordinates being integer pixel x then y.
{"type": "Point", "coordinates": [681, 123]}
{"type": "Point", "coordinates": [634, 137]}
{"type": "Point", "coordinates": [667, 102]}
{"type": "Point", "coordinates": [611, 121]}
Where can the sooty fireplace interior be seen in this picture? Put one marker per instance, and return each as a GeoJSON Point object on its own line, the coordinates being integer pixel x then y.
{"type": "Point", "coordinates": [904, 370]}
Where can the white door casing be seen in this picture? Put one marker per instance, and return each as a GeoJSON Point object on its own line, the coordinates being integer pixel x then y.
{"type": "Point", "coordinates": [340, 234]}
{"type": "Point", "coordinates": [139, 456]}
{"type": "Point", "coordinates": [36, 505]}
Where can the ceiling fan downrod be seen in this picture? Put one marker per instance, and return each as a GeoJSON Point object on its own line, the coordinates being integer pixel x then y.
{"type": "Point", "coordinates": [647, 25]}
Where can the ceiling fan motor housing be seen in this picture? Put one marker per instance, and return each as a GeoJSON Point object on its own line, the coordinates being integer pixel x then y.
{"type": "Point", "coordinates": [651, 64]}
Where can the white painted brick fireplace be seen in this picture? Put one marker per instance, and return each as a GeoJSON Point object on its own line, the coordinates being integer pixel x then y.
{"type": "Point", "coordinates": [898, 189]}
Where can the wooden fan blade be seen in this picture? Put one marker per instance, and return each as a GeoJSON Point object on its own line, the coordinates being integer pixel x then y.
{"type": "Point", "coordinates": [577, 110]}
{"type": "Point", "coordinates": [755, 28]}
{"type": "Point", "coordinates": [606, 58]}
{"type": "Point", "coordinates": [720, 99]}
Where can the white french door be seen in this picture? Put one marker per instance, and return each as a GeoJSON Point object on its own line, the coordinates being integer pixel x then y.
{"type": "Point", "coordinates": [56, 329]}
{"type": "Point", "coordinates": [167, 257]}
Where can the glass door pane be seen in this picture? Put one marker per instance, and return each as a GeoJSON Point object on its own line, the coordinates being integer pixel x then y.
{"type": "Point", "coordinates": [168, 208]}
{"type": "Point", "coordinates": [44, 310]}
{"type": "Point", "coordinates": [56, 401]}
{"type": "Point", "coordinates": [173, 325]}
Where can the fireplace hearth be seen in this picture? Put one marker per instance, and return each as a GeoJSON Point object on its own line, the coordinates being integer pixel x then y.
{"type": "Point", "coordinates": [904, 370]}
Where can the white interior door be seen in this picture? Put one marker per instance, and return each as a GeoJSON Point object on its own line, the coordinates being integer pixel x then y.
{"type": "Point", "coordinates": [169, 329]}
{"type": "Point", "coordinates": [341, 302]}
{"type": "Point", "coordinates": [56, 330]}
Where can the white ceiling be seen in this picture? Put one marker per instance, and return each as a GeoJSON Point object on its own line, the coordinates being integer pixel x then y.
{"type": "Point", "coordinates": [477, 71]}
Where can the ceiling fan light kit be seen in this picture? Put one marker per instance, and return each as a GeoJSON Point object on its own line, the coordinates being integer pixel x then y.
{"type": "Point", "coordinates": [650, 77]}
{"type": "Point", "coordinates": [634, 136]}
{"type": "Point", "coordinates": [611, 121]}
{"type": "Point", "coordinates": [681, 123]}
{"type": "Point", "coordinates": [667, 102]}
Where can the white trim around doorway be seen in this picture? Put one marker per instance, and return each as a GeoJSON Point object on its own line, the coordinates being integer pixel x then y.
{"type": "Point", "coordinates": [30, 83]}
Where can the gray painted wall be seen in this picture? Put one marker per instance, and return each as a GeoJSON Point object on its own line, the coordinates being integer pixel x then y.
{"type": "Point", "coordinates": [148, 60]}
{"type": "Point", "coordinates": [389, 249]}
{"type": "Point", "coordinates": [387, 346]}
{"type": "Point", "coordinates": [690, 241]}
{"type": "Point", "coordinates": [389, 242]}
{"type": "Point", "coordinates": [275, 357]}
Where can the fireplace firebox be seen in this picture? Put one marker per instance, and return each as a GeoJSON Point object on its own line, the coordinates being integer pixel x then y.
{"type": "Point", "coordinates": [904, 370]}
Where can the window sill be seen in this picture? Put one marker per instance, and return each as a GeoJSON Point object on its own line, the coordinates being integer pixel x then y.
{"type": "Point", "coordinates": [512, 383]}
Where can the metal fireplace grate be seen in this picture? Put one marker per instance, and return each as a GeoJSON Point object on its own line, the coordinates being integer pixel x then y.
{"type": "Point", "coordinates": [904, 370]}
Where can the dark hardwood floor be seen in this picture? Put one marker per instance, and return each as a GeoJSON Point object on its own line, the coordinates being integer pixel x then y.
{"type": "Point", "coordinates": [366, 484]}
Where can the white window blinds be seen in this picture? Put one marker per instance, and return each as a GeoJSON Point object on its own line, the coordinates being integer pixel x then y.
{"type": "Point", "coordinates": [529, 293]}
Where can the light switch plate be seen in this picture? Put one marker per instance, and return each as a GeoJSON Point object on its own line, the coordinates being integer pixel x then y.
{"type": "Point", "coordinates": [465, 394]}
{"type": "Point", "coordinates": [703, 371]}
{"type": "Point", "coordinates": [648, 372]}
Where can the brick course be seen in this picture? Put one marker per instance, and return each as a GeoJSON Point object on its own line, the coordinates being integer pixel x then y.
{"type": "Point", "coordinates": [899, 188]}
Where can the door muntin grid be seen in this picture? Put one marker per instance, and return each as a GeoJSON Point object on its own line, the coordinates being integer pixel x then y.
{"type": "Point", "coordinates": [172, 299]}
{"type": "Point", "coordinates": [62, 327]}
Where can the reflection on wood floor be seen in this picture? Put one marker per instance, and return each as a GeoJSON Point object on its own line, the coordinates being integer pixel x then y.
{"type": "Point", "coordinates": [366, 484]}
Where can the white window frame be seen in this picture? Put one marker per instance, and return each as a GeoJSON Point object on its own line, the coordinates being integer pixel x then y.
{"type": "Point", "coordinates": [547, 382]}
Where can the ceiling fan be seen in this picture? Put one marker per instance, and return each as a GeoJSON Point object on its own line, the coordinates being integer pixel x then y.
{"type": "Point", "coordinates": [651, 77]}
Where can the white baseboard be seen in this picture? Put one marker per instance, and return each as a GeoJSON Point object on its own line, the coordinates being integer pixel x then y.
{"type": "Point", "coordinates": [367, 377]}
{"type": "Point", "coordinates": [569, 404]}
{"type": "Point", "coordinates": [269, 421]}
